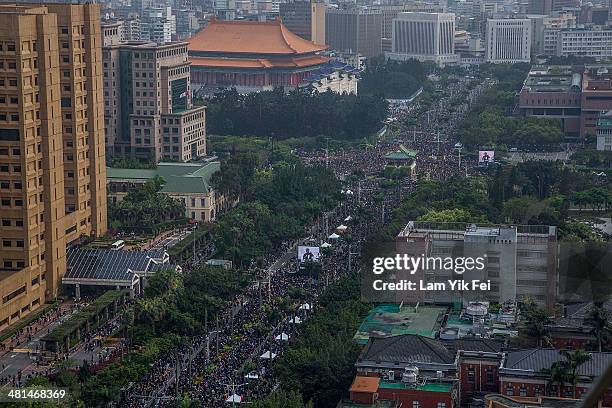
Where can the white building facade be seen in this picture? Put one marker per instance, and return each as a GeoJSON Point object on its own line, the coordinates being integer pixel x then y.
{"type": "Point", "coordinates": [425, 37]}
{"type": "Point", "coordinates": [589, 42]}
{"type": "Point", "coordinates": [508, 40]}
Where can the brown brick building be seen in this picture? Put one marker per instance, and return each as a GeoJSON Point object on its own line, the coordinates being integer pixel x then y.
{"type": "Point", "coordinates": [52, 162]}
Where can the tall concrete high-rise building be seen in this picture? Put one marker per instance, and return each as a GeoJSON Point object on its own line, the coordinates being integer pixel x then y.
{"type": "Point", "coordinates": [520, 261]}
{"type": "Point", "coordinates": [425, 37]}
{"type": "Point", "coordinates": [355, 30]}
{"type": "Point", "coordinates": [52, 159]}
{"type": "Point", "coordinates": [148, 111]}
{"type": "Point", "coordinates": [548, 6]}
{"type": "Point", "coordinates": [305, 18]}
{"type": "Point", "coordinates": [508, 40]}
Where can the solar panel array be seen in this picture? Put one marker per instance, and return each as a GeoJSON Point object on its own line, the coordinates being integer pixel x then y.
{"type": "Point", "coordinates": [156, 267]}
{"type": "Point", "coordinates": [105, 264]}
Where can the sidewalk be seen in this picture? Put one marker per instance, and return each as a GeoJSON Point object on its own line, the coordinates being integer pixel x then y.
{"type": "Point", "coordinates": [41, 324]}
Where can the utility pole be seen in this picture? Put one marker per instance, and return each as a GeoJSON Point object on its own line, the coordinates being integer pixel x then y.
{"type": "Point", "coordinates": [177, 375]}
{"type": "Point", "coordinates": [349, 258]}
{"type": "Point", "coordinates": [195, 226]}
{"type": "Point", "coordinates": [326, 152]}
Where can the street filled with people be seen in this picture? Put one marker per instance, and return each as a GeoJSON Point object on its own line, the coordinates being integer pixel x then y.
{"type": "Point", "coordinates": [232, 362]}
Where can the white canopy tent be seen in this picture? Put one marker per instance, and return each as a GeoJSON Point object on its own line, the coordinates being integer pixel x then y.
{"type": "Point", "coordinates": [268, 355]}
{"type": "Point", "coordinates": [347, 219]}
{"type": "Point", "coordinates": [234, 398]}
{"type": "Point", "coordinates": [295, 320]}
{"type": "Point", "coordinates": [325, 245]}
{"type": "Point", "coordinates": [282, 337]}
{"type": "Point", "coordinates": [305, 306]}
{"type": "Point", "coordinates": [252, 376]}
{"type": "Point", "coordinates": [342, 228]}
{"type": "Point", "coordinates": [334, 236]}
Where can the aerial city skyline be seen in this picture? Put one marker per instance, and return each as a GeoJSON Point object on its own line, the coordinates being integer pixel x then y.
{"type": "Point", "coordinates": [289, 203]}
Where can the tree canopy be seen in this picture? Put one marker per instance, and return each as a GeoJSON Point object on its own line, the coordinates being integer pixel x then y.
{"type": "Point", "coordinates": [300, 113]}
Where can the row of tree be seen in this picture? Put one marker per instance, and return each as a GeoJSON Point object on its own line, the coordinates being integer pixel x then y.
{"type": "Point", "coordinates": [529, 193]}
{"type": "Point", "coordinates": [277, 203]}
{"type": "Point", "coordinates": [319, 365]}
{"type": "Point", "coordinates": [174, 307]}
{"type": "Point", "coordinates": [300, 113]}
{"type": "Point", "coordinates": [392, 79]}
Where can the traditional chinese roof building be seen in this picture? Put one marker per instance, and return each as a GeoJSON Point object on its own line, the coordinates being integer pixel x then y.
{"type": "Point", "coordinates": [255, 56]}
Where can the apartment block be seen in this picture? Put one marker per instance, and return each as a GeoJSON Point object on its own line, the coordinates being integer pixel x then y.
{"type": "Point", "coordinates": [52, 158]}
{"type": "Point", "coordinates": [520, 261]}
{"type": "Point", "coordinates": [508, 40]}
{"type": "Point", "coordinates": [354, 30]}
{"type": "Point", "coordinates": [148, 111]}
{"type": "Point", "coordinates": [593, 42]}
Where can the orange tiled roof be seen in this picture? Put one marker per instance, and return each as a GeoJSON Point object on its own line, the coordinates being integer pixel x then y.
{"type": "Point", "coordinates": [257, 63]}
{"type": "Point", "coordinates": [270, 37]}
{"type": "Point", "coordinates": [365, 384]}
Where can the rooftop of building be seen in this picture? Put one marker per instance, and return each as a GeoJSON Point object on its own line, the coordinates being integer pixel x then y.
{"type": "Point", "coordinates": [365, 384]}
{"type": "Point", "coordinates": [540, 360]}
{"type": "Point", "coordinates": [250, 37]}
{"type": "Point", "coordinates": [390, 320]}
{"type": "Point", "coordinates": [110, 266]}
{"type": "Point", "coordinates": [552, 78]}
{"type": "Point", "coordinates": [473, 344]}
{"type": "Point", "coordinates": [406, 349]}
{"type": "Point", "coordinates": [431, 387]}
{"type": "Point", "coordinates": [458, 229]}
{"type": "Point", "coordinates": [503, 401]}
{"type": "Point", "coordinates": [185, 178]}
{"type": "Point", "coordinates": [146, 45]}
{"type": "Point", "coordinates": [377, 404]}
{"type": "Point", "coordinates": [577, 313]}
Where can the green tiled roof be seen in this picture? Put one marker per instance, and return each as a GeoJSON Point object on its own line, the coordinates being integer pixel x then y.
{"type": "Point", "coordinates": [178, 177]}
{"type": "Point", "coordinates": [606, 123]}
{"type": "Point", "coordinates": [398, 156]}
{"type": "Point", "coordinates": [186, 184]}
{"type": "Point", "coordinates": [130, 174]}
{"type": "Point", "coordinates": [433, 387]}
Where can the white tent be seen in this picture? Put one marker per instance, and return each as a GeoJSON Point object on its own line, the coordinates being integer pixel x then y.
{"type": "Point", "coordinates": [349, 192]}
{"type": "Point", "coordinates": [342, 228]}
{"type": "Point", "coordinates": [252, 375]}
{"type": "Point", "coordinates": [325, 245]}
{"type": "Point", "coordinates": [305, 306]}
{"type": "Point", "coordinates": [282, 337]}
{"type": "Point", "coordinates": [347, 219]}
{"type": "Point", "coordinates": [234, 398]}
{"type": "Point", "coordinates": [334, 236]}
{"type": "Point", "coordinates": [295, 320]}
{"type": "Point", "coordinates": [268, 355]}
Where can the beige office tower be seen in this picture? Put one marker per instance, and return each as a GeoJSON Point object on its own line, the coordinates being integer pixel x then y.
{"type": "Point", "coordinates": [148, 110]}
{"type": "Point", "coordinates": [52, 164]}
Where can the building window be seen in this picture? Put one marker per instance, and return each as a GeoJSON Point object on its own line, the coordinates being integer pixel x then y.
{"type": "Point", "coordinates": [441, 404]}
{"type": "Point", "coordinates": [416, 404]}
{"type": "Point", "coordinates": [509, 390]}
{"type": "Point", "coordinates": [471, 375]}
{"type": "Point", "coordinates": [490, 376]}
{"type": "Point", "coordinates": [523, 391]}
